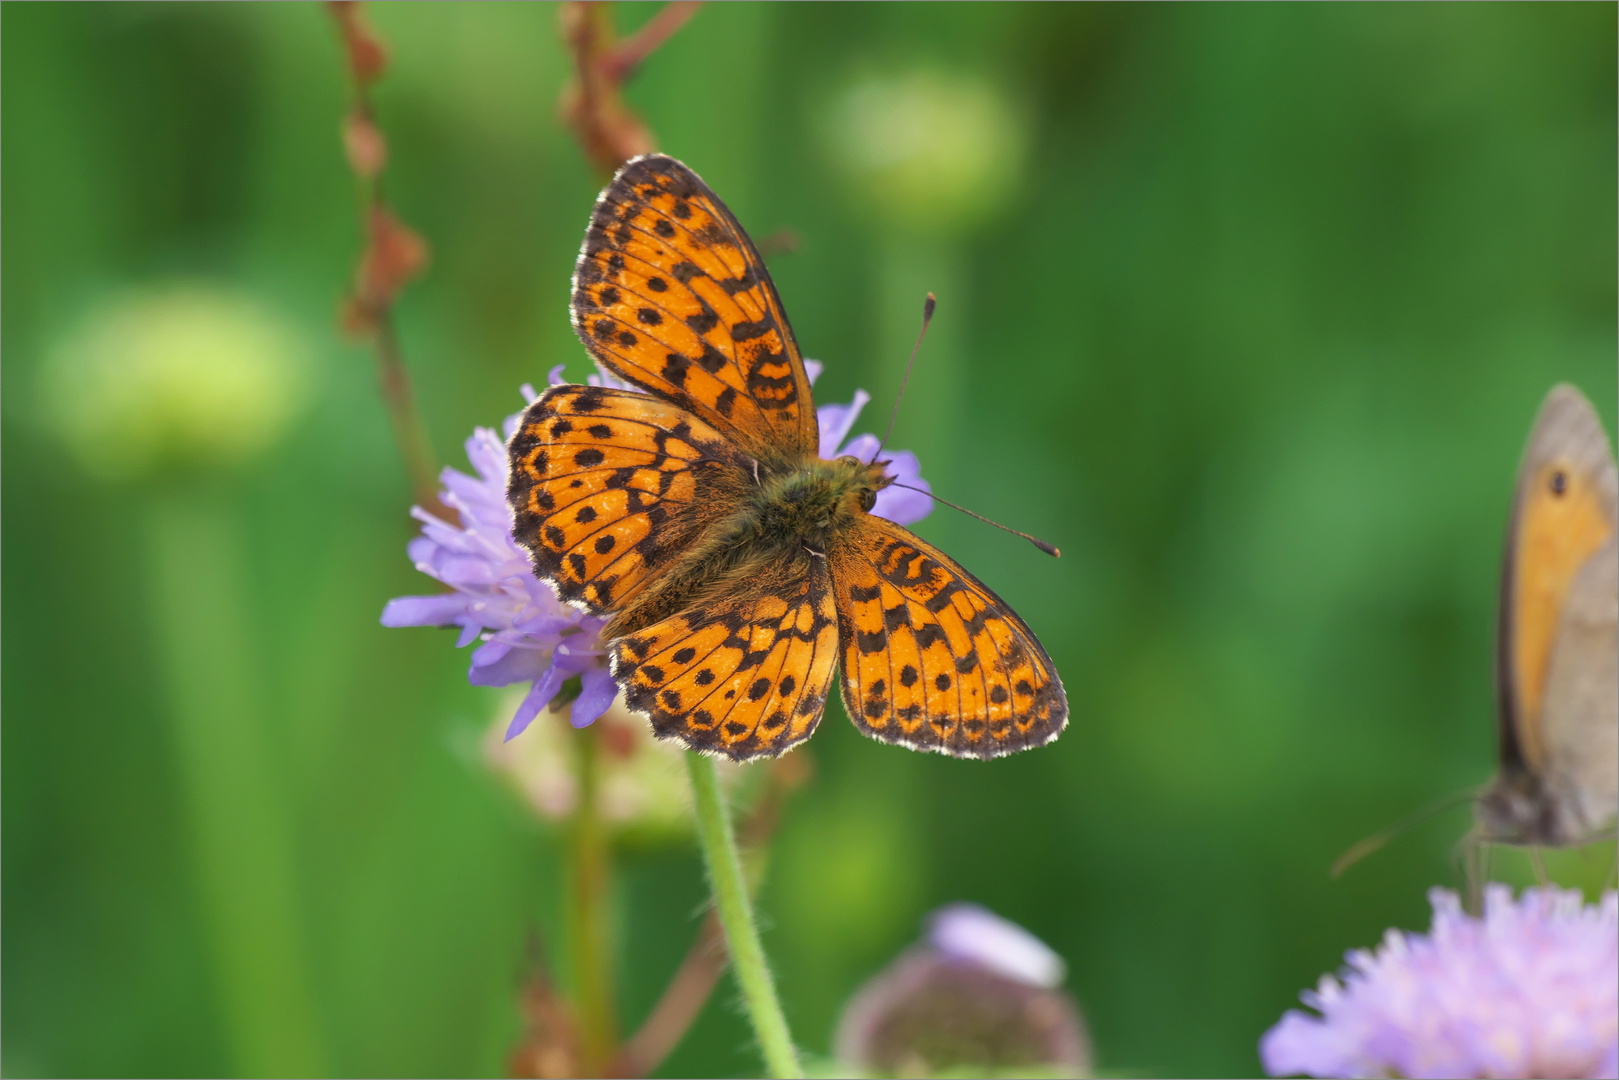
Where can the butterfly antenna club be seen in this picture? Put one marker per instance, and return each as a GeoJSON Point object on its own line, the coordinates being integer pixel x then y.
{"type": "Point", "coordinates": [927, 317]}
{"type": "Point", "coordinates": [1049, 549]}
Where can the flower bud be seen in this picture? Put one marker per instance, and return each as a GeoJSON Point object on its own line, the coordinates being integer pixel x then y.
{"type": "Point", "coordinates": [178, 376]}
{"type": "Point", "coordinates": [643, 790]}
{"type": "Point", "coordinates": [979, 996]}
{"type": "Point", "coordinates": [927, 152]}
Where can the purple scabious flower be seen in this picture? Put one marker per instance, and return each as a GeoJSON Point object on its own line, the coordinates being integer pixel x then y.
{"type": "Point", "coordinates": [527, 633]}
{"type": "Point", "coordinates": [978, 995]}
{"type": "Point", "coordinates": [1531, 989]}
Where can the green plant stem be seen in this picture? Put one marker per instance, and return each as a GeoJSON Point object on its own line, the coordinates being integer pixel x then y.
{"type": "Point", "coordinates": [736, 916]}
{"type": "Point", "coordinates": [593, 947]}
{"type": "Point", "coordinates": [241, 832]}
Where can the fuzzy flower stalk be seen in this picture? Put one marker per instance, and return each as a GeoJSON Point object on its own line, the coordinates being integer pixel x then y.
{"type": "Point", "coordinates": [1530, 989]}
{"type": "Point", "coordinates": [525, 633]}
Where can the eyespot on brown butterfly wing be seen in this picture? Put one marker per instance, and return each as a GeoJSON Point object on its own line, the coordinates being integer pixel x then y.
{"type": "Point", "coordinates": [1557, 652]}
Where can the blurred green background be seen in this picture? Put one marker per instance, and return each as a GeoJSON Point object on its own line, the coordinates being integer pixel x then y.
{"type": "Point", "coordinates": [1248, 308]}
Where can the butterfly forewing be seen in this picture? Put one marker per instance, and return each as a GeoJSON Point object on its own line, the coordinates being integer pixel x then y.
{"type": "Point", "coordinates": [931, 658]}
{"type": "Point", "coordinates": [745, 674]}
{"type": "Point", "coordinates": [609, 486]}
{"type": "Point", "coordinates": [670, 294]}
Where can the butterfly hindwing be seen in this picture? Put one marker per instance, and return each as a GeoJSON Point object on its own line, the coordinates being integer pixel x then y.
{"type": "Point", "coordinates": [608, 487]}
{"type": "Point", "coordinates": [670, 294]}
{"type": "Point", "coordinates": [1581, 707]}
{"type": "Point", "coordinates": [744, 674]}
{"type": "Point", "coordinates": [931, 658]}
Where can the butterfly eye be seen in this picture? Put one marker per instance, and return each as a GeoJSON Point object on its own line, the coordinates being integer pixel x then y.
{"type": "Point", "coordinates": [1559, 482]}
{"type": "Point", "coordinates": [868, 499]}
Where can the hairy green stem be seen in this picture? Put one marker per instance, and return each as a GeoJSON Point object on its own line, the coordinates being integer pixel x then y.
{"type": "Point", "coordinates": [736, 916]}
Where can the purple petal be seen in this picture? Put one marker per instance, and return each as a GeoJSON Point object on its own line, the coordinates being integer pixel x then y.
{"type": "Point", "coordinates": [596, 693]}
{"type": "Point", "coordinates": [554, 376]}
{"type": "Point", "coordinates": [538, 697]}
{"type": "Point", "coordinates": [836, 421]}
{"type": "Point", "coordinates": [440, 610]}
{"type": "Point", "coordinates": [603, 377]}
{"type": "Point", "coordinates": [864, 447]}
{"type": "Point", "coordinates": [1300, 1043]}
{"type": "Point", "coordinates": [978, 936]}
{"type": "Point", "coordinates": [544, 624]}
{"type": "Point", "coordinates": [505, 665]}
{"type": "Point", "coordinates": [904, 468]}
{"type": "Point", "coordinates": [902, 507]}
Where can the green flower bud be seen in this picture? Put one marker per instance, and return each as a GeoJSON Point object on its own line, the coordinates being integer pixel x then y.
{"type": "Point", "coordinates": [927, 152]}
{"type": "Point", "coordinates": [182, 376]}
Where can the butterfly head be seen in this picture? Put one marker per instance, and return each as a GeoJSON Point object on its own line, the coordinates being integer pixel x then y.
{"type": "Point", "coordinates": [866, 479]}
{"type": "Point", "coordinates": [1513, 810]}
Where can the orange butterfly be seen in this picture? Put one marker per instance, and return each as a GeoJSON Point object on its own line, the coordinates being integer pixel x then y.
{"type": "Point", "coordinates": [734, 564]}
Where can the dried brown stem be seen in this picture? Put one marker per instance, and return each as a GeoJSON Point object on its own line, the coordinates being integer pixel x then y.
{"type": "Point", "coordinates": [677, 1008]}
{"type": "Point", "coordinates": [620, 65]}
{"type": "Point", "coordinates": [550, 1047]}
{"type": "Point", "coordinates": [591, 106]}
{"type": "Point", "coordinates": [400, 400]}
{"type": "Point", "coordinates": [393, 255]}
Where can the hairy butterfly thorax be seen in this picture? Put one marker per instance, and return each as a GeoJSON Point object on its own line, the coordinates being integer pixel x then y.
{"type": "Point", "coordinates": [738, 571]}
{"type": "Point", "coordinates": [815, 501]}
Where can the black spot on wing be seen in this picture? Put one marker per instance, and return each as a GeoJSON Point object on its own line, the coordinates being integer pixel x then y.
{"type": "Point", "coordinates": [747, 331]}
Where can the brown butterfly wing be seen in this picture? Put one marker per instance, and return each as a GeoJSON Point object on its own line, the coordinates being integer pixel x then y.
{"type": "Point", "coordinates": [1565, 506]}
{"type": "Point", "coordinates": [608, 487]}
{"type": "Point", "coordinates": [932, 659]}
{"type": "Point", "coordinates": [1559, 608]}
{"type": "Point", "coordinates": [1581, 714]}
{"type": "Point", "coordinates": [670, 294]}
{"type": "Point", "coordinates": [744, 674]}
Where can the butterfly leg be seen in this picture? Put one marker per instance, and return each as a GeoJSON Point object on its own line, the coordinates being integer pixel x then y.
{"type": "Point", "coordinates": [1538, 865]}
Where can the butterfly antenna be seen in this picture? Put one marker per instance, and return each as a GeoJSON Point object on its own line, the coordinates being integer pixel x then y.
{"type": "Point", "coordinates": [1049, 549]}
{"type": "Point", "coordinates": [1358, 852]}
{"type": "Point", "coordinates": [927, 317]}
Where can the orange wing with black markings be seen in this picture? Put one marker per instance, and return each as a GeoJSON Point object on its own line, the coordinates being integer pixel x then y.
{"type": "Point", "coordinates": [744, 674]}
{"type": "Point", "coordinates": [670, 294]}
{"type": "Point", "coordinates": [608, 487]}
{"type": "Point", "coordinates": [932, 659]}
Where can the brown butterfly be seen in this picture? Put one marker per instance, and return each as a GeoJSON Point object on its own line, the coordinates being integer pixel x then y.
{"type": "Point", "coordinates": [734, 565]}
{"type": "Point", "coordinates": [1557, 658]}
